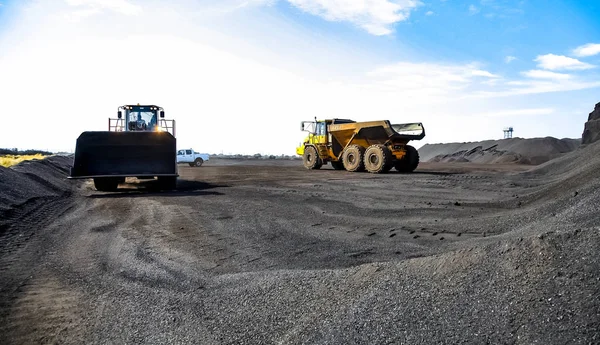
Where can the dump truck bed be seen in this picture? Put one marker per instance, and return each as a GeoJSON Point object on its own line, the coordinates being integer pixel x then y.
{"type": "Point", "coordinates": [376, 132]}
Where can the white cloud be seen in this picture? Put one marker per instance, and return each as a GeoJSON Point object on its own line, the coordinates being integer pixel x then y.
{"type": "Point", "coordinates": [560, 62]}
{"type": "Point", "coordinates": [429, 13]}
{"type": "Point", "coordinates": [509, 59]}
{"type": "Point", "coordinates": [536, 86]}
{"type": "Point", "coordinates": [228, 6]}
{"type": "Point", "coordinates": [375, 16]}
{"type": "Point", "coordinates": [541, 74]}
{"type": "Point", "coordinates": [90, 7]}
{"type": "Point", "coordinates": [481, 73]}
{"type": "Point", "coordinates": [427, 79]}
{"type": "Point", "coordinates": [473, 10]}
{"type": "Point", "coordinates": [589, 49]}
{"type": "Point", "coordinates": [519, 112]}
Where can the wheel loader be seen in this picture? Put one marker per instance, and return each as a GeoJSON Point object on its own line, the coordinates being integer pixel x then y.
{"type": "Point", "coordinates": [140, 143]}
{"type": "Point", "coordinates": [374, 146]}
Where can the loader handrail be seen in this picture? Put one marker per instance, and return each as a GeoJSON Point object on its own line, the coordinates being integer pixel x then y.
{"type": "Point", "coordinates": [118, 125]}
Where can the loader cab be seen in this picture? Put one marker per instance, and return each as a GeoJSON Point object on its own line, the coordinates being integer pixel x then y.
{"type": "Point", "coordinates": [141, 117]}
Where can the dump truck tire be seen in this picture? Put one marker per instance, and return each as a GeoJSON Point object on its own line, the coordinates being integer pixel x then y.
{"type": "Point", "coordinates": [198, 162]}
{"type": "Point", "coordinates": [311, 159]}
{"type": "Point", "coordinates": [410, 162]}
{"type": "Point", "coordinates": [353, 158]}
{"type": "Point", "coordinates": [167, 182]}
{"type": "Point", "coordinates": [106, 184]}
{"type": "Point", "coordinates": [338, 165]}
{"type": "Point", "coordinates": [377, 159]}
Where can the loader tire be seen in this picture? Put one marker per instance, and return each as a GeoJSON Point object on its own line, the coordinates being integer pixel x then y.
{"type": "Point", "coordinates": [353, 158]}
{"type": "Point", "coordinates": [311, 159]}
{"type": "Point", "coordinates": [338, 165]}
{"type": "Point", "coordinates": [106, 184]}
{"type": "Point", "coordinates": [377, 159]}
{"type": "Point", "coordinates": [410, 161]}
{"type": "Point", "coordinates": [198, 162]}
{"type": "Point", "coordinates": [167, 182]}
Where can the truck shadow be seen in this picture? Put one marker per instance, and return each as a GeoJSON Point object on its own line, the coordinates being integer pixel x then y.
{"type": "Point", "coordinates": [436, 173]}
{"type": "Point", "coordinates": [151, 188]}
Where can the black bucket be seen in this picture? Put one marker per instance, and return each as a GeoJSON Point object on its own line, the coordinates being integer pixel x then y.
{"type": "Point", "coordinates": [125, 154]}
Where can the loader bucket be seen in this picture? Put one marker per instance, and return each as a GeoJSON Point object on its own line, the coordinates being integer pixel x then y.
{"type": "Point", "coordinates": [104, 154]}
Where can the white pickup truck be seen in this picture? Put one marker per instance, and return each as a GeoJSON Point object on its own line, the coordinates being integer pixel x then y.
{"type": "Point", "coordinates": [194, 159]}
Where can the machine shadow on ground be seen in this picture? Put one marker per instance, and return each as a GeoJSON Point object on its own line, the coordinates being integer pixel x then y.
{"type": "Point", "coordinates": [150, 188]}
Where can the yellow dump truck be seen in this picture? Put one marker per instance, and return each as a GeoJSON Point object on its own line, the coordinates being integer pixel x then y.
{"type": "Point", "coordinates": [375, 146]}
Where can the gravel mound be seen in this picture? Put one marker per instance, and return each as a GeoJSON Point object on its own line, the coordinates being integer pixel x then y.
{"type": "Point", "coordinates": [33, 179]}
{"type": "Point", "coordinates": [536, 283]}
{"type": "Point", "coordinates": [515, 150]}
{"type": "Point", "coordinates": [535, 290]}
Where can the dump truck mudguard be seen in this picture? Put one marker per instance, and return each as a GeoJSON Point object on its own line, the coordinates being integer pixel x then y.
{"type": "Point", "coordinates": [121, 154]}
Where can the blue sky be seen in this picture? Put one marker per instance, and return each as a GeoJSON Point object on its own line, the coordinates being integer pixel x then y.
{"type": "Point", "coordinates": [466, 69]}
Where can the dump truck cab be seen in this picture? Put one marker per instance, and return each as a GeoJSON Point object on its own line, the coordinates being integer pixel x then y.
{"type": "Point", "coordinates": [140, 143]}
{"type": "Point", "coordinates": [376, 146]}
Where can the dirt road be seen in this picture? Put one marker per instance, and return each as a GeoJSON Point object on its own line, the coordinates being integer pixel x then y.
{"type": "Point", "coordinates": [247, 253]}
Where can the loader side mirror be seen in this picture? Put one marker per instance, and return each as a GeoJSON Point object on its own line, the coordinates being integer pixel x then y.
{"type": "Point", "coordinates": [162, 113]}
{"type": "Point", "coordinates": [119, 114]}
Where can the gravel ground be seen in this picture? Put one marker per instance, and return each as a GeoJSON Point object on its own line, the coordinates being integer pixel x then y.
{"type": "Point", "coordinates": [270, 253]}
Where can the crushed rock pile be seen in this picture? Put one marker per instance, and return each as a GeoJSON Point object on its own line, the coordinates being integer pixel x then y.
{"type": "Point", "coordinates": [591, 131]}
{"type": "Point", "coordinates": [32, 180]}
{"type": "Point", "coordinates": [515, 150]}
{"type": "Point", "coordinates": [536, 283]}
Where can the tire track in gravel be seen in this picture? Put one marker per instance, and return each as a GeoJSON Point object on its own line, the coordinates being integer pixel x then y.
{"type": "Point", "coordinates": [29, 289]}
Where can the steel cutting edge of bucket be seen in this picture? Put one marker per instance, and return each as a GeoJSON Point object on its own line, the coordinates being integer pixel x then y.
{"type": "Point", "coordinates": [103, 154]}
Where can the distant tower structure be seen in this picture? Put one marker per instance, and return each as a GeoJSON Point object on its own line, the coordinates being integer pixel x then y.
{"type": "Point", "coordinates": [508, 132]}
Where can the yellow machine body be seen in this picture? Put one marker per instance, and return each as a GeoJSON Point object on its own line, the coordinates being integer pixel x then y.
{"type": "Point", "coordinates": [332, 138]}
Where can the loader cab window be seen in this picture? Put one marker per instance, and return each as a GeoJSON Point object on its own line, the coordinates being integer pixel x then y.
{"type": "Point", "coordinates": [321, 128]}
{"type": "Point", "coordinates": [147, 118]}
